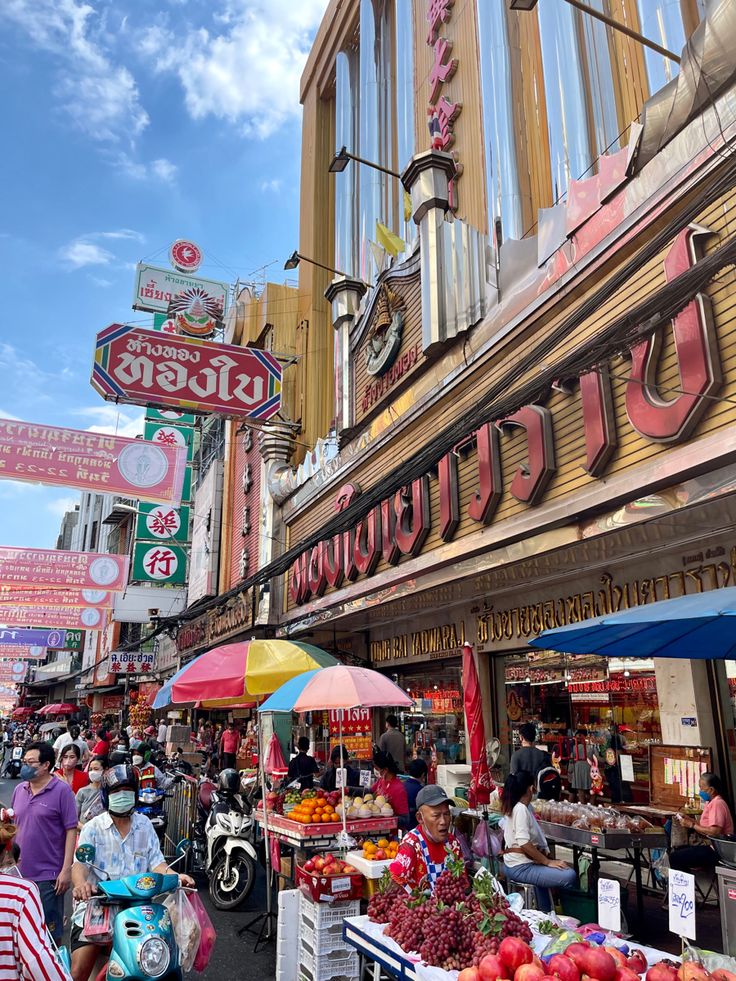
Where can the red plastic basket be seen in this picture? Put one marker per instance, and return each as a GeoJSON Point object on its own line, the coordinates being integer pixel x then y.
{"type": "Point", "coordinates": [329, 888]}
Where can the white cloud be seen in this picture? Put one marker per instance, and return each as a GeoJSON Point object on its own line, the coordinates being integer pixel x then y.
{"type": "Point", "coordinates": [273, 185]}
{"type": "Point", "coordinates": [113, 420]}
{"type": "Point", "coordinates": [164, 169]}
{"type": "Point", "coordinates": [161, 169]}
{"type": "Point", "coordinates": [100, 97]}
{"type": "Point", "coordinates": [101, 282]}
{"type": "Point", "coordinates": [124, 233]}
{"type": "Point", "coordinates": [8, 415]}
{"type": "Point", "coordinates": [80, 253]}
{"type": "Point", "coordinates": [248, 71]}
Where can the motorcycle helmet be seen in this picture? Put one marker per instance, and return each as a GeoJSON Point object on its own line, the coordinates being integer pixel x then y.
{"type": "Point", "coordinates": [121, 775]}
{"type": "Point", "coordinates": [229, 781]}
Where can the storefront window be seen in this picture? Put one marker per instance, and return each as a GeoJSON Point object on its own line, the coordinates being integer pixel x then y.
{"type": "Point", "coordinates": [661, 21]}
{"type": "Point", "coordinates": [346, 135]}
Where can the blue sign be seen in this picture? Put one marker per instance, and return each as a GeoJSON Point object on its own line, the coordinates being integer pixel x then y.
{"type": "Point", "coordinates": [22, 636]}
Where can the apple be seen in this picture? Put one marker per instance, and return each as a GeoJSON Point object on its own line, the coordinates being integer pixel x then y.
{"type": "Point", "coordinates": [626, 974]}
{"type": "Point", "coordinates": [596, 963]}
{"type": "Point", "coordinates": [349, 870]}
{"type": "Point", "coordinates": [617, 955]}
{"type": "Point", "coordinates": [662, 972]}
{"type": "Point", "coordinates": [309, 865]}
{"type": "Point", "coordinates": [492, 968]}
{"type": "Point", "coordinates": [636, 962]}
{"type": "Point", "coordinates": [563, 968]}
{"type": "Point", "coordinates": [380, 855]}
{"type": "Point", "coordinates": [721, 974]}
{"type": "Point", "coordinates": [514, 952]}
{"type": "Point", "coordinates": [529, 972]}
{"type": "Point", "coordinates": [575, 952]}
{"type": "Point", "coordinates": [469, 974]}
{"type": "Point", "coordinates": [319, 863]}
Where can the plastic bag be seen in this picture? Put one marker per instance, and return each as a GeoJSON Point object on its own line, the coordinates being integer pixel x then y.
{"type": "Point", "coordinates": [481, 841]}
{"type": "Point", "coordinates": [208, 934]}
{"type": "Point", "coordinates": [186, 927]}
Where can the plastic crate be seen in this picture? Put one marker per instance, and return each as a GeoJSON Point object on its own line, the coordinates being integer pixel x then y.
{"type": "Point", "coordinates": [324, 941]}
{"type": "Point", "coordinates": [328, 967]}
{"type": "Point", "coordinates": [329, 888]}
{"type": "Point", "coordinates": [322, 915]}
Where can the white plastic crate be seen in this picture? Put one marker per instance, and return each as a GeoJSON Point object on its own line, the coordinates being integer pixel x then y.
{"type": "Point", "coordinates": [287, 935]}
{"type": "Point", "coordinates": [328, 967]}
{"type": "Point", "coordinates": [321, 941]}
{"type": "Point", "coordinates": [326, 914]}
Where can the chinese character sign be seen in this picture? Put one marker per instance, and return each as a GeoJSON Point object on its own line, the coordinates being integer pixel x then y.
{"type": "Point", "coordinates": [160, 522]}
{"type": "Point", "coordinates": [144, 367]}
{"type": "Point", "coordinates": [168, 435]}
{"type": "Point", "coordinates": [91, 461]}
{"type": "Point", "coordinates": [49, 567]}
{"type": "Point", "coordinates": [159, 563]}
{"type": "Point", "coordinates": [131, 662]}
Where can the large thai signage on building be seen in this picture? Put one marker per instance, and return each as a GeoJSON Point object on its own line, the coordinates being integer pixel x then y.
{"type": "Point", "coordinates": [58, 569]}
{"type": "Point", "coordinates": [517, 457]}
{"type": "Point", "coordinates": [92, 462]}
{"type": "Point", "coordinates": [131, 662]}
{"type": "Point", "coordinates": [216, 626]}
{"type": "Point", "coordinates": [142, 367]}
{"type": "Point", "coordinates": [430, 643]}
{"type": "Point", "coordinates": [155, 288]}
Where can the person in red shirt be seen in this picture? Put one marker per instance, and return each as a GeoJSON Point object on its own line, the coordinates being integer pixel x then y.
{"type": "Point", "coordinates": [715, 822]}
{"type": "Point", "coordinates": [423, 853]}
{"type": "Point", "coordinates": [69, 770]}
{"type": "Point", "coordinates": [388, 784]}
{"type": "Point", "coordinates": [229, 743]}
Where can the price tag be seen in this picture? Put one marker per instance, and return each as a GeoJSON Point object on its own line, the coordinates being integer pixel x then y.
{"type": "Point", "coordinates": [341, 885]}
{"type": "Point", "coordinates": [609, 904]}
{"type": "Point", "coordinates": [627, 767]}
{"type": "Point", "coordinates": [366, 778]}
{"type": "Point", "coordinates": [682, 904]}
{"type": "Point", "coordinates": [341, 775]}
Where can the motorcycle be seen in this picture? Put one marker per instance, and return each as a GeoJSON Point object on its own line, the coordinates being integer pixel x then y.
{"type": "Point", "coordinates": [231, 857]}
{"type": "Point", "coordinates": [142, 934]}
{"type": "Point", "coordinates": [11, 770]}
{"type": "Point", "coordinates": [151, 804]}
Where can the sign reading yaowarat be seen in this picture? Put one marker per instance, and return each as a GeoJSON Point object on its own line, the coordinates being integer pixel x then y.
{"type": "Point", "coordinates": [142, 367]}
{"type": "Point", "coordinates": [22, 596]}
{"type": "Point", "coordinates": [49, 567]}
{"type": "Point", "coordinates": [155, 288]}
{"type": "Point", "coordinates": [62, 617]}
{"type": "Point", "coordinates": [91, 461]}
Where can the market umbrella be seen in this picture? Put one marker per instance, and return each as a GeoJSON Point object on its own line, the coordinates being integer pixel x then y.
{"type": "Point", "coordinates": [58, 708]}
{"type": "Point", "coordinates": [694, 627]}
{"type": "Point", "coordinates": [481, 784]}
{"type": "Point", "coordinates": [254, 667]}
{"type": "Point", "coordinates": [21, 711]}
{"type": "Point", "coordinates": [163, 695]}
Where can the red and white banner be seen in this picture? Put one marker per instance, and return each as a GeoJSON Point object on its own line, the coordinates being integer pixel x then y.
{"type": "Point", "coordinates": [49, 567]}
{"type": "Point", "coordinates": [22, 596]}
{"type": "Point", "coordinates": [57, 617]}
{"type": "Point", "coordinates": [28, 653]}
{"type": "Point", "coordinates": [13, 671]}
{"type": "Point", "coordinates": [133, 468]}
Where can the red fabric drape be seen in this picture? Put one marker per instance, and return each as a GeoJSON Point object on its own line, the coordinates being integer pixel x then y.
{"type": "Point", "coordinates": [481, 783]}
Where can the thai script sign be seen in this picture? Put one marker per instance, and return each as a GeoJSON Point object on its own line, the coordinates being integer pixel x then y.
{"type": "Point", "coordinates": [13, 671]}
{"type": "Point", "coordinates": [141, 367]}
{"type": "Point", "coordinates": [159, 563]}
{"type": "Point", "coordinates": [155, 288]}
{"type": "Point", "coordinates": [55, 639]}
{"type": "Point", "coordinates": [353, 720]}
{"type": "Point", "coordinates": [90, 461]}
{"type": "Point", "coordinates": [131, 662]}
{"type": "Point", "coordinates": [23, 653]}
{"type": "Point", "coordinates": [61, 617]}
{"type": "Point", "coordinates": [21, 596]}
{"type": "Point", "coordinates": [216, 626]}
{"type": "Point", "coordinates": [185, 255]}
{"type": "Point", "coordinates": [49, 567]}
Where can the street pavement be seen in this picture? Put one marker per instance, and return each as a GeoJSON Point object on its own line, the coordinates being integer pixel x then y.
{"type": "Point", "coordinates": [233, 956]}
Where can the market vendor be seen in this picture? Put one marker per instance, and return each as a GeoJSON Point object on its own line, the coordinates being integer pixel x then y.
{"type": "Point", "coordinates": [423, 852]}
{"type": "Point", "coordinates": [338, 759]}
{"type": "Point", "coordinates": [388, 784]}
{"type": "Point", "coordinates": [714, 822]}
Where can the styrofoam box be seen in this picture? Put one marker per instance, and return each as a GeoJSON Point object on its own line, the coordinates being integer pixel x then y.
{"type": "Point", "coordinates": [370, 868]}
{"type": "Point", "coordinates": [287, 962]}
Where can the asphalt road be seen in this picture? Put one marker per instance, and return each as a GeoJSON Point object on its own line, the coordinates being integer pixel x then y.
{"type": "Point", "coordinates": [233, 956]}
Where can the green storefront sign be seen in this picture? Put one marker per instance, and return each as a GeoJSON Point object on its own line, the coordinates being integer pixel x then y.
{"type": "Point", "coordinates": [159, 563]}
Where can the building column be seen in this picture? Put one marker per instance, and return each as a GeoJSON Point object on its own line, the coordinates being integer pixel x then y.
{"type": "Point", "coordinates": [276, 445]}
{"type": "Point", "coordinates": [344, 294]}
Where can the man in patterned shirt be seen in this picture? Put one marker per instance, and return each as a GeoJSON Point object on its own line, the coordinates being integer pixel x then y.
{"type": "Point", "coordinates": [125, 843]}
{"type": "Point", "coordinates": [423, 853]}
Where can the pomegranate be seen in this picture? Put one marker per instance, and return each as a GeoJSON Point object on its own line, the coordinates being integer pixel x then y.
{"type": "Point", "coordinates": [626, 974]}
{"type": "Point", "coordinates": [662, 972]}
{"type": "Point", "coordinates": [690, 971]}
{"type": "Point", "coordinates": [617, 955]}
{"type": "Point", "coordinates": [721, 974]}
{"type": "Point", "coordinates": [575, 953]}
{"type": "Point", "coordinates": [469, 974]}
{"type": "Point", "coordinates": [596, 963]}
{"type": "Point", "coordinates": [492, 968]}
{"type": "Point", "coordinates": [636, 962]}
{"type": "Point", "coordinates": [529, 972]}
{"type": "Point", "coordinates": [563, 967]}
{"type": "Point", "coordinates": [514, 952]}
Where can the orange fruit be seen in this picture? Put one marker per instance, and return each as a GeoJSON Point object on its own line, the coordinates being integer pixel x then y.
{"type": "Point", "coordinates": [382, 843]}
{"type": "Point", "coordinates": [326, 819]}
{"type": "Point", "coordinates": [334, 817]}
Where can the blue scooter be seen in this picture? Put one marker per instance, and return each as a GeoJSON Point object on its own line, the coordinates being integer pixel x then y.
{"type": "Point", "coordinates": [143, 941]}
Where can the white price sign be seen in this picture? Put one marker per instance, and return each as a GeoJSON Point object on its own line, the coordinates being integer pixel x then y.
{"type": "Point", "coordinates": [366, 778]}
{"type": "Point", "coordinates": [682, 904]}
{"type": "Point", "coordinates": [609, 904]}
{"type": "Point", "coordinates": [341, 775]}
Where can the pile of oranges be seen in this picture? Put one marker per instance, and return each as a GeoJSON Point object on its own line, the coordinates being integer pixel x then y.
{"type": "Point", "coordinates": [380, 850]}
{"type": "Point", "coordinates": [314, 810]}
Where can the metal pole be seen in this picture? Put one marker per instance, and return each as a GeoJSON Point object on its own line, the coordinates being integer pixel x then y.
{"type": "Point", "coordinates": [623, 29]}
{"type": "Point", "coordinates": [375, 166]}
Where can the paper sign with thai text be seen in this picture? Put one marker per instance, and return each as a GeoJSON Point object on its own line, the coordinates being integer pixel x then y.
{"type": "Point", "coordinates": [13, 671]}
{"type": "Point", "coordinates": [142, 367]}
{"type": "Point", "coordinates": [27, 596]}
{"type": "Point", "coordinates": [49, 567]}
{"type": "Point", "coordinates": [155, 288]}
{"type": "Point", "coordinates": [61, 617]}
{"type": "Point", "coordinates": [609, 904]}
{"type": "Point", "coordinates": [682, 904]}
{"type": "Point", "coordinates": [28, 652]}
{"type": "Point", "coordinates": [131, 662]}
{"type": "Point", "coordinates": [91, 462]}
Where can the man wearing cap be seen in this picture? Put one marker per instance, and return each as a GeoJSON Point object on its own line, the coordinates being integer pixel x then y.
{"type": "Point", "coordinates": [423, 853]}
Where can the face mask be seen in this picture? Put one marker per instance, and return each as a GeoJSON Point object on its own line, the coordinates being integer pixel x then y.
{"type": "Point", "coordinates": [27, 772]}
{"type": "Point", "coordinates": [121, 802]}
{"type": "Point", "coordinates": [95, 776]}
{"type": "Point", "coordinates": [137, 760]}
{"type": "Point", "coordinates": [704, 795]}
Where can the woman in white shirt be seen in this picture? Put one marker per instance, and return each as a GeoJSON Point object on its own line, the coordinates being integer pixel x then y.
{"type": "Point", "coordinates": [526, 855]}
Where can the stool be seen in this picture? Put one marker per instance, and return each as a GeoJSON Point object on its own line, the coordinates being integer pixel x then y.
{"type": "Point", "coordinates": [526, 891]}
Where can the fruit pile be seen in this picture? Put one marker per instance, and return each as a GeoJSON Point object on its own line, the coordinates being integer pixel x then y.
{"type": "Point", "coordinates": [328, 865]}
{"type": "Point", "coordinates": [274, 802]}
{"type": "Point", "coordinates": [365, 807]}
{"type": "Point", "coordinates": [452, 929]}
{"type": "Point", "coordinates": [316, 807]}
{"type": "Point", "coordinates": [380, 850]}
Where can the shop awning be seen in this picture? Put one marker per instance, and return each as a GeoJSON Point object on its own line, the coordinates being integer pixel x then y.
{"type": "Point", "coordinates": [695, 627]}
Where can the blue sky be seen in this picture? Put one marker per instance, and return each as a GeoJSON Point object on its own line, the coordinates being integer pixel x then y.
{"type": "Point", "coordinates": [125, 126]}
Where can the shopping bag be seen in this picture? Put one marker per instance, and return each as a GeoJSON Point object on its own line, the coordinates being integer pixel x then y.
{"type": "Point", "coordinates": [207, 937]}
{"type": "Point", "coordinates": [186, 927]}
{"type": "Point", "coordinates": [481, 841]}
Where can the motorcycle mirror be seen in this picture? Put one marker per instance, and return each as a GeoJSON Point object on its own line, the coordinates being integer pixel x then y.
{"type": "Point", "coordinates": [85, 854]}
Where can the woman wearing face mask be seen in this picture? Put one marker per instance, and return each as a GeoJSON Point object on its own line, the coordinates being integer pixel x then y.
{"type": "Point", "coordinates": [69, 770]}
{"type": "Point", "coordinates": [89, 800]}
{"type": "Point", "coordinates": [715, 821]}
{"type": "Point", "coordinates": [389, 786]}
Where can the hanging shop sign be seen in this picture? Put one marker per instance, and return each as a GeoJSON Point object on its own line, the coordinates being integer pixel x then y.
{"type": "Point", "coordinates": [111, 703]}
{"type": "Point", "coordinates": [142, 368]}
{"type": "Point", "coordinates": [53, 639]}
{"type": "Point", "coordinates": [23, 652]}
{"type": "Point", "coordinates": [131, 662]}
{"type": "Point", "coordinates": [353, 720]}
{"type": "Point", "coordinates": [205, 553]}
{"type": "Point", "coordinates": [90, 461]}
{"type": "Point", "coordinates": [169, 435]}
{"type": "Point", "coordinates": [433, 643]}
{"type": "Point", "coordinates": [61, 617]}
{"type": "Point", "coordinates": [49, 567]}
{"type": "Point", "coordinates": [185, 256]}
{"type": "Point", "coordinates": [216, 626]}
{"type": "Point", "coordinates": [160, 522]}
{"type": "Point", "coordinates": [19, 596]}
{"type": "Point", "coordinates": [159, 563]}
{"type": "Point", "coordinates": [155, 288]}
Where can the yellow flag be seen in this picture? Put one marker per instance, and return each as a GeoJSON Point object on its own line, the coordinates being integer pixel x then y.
{"type": "Point", "coordinates": [407, 206]}
{"type": "Point", "coordinates": [390, 242]}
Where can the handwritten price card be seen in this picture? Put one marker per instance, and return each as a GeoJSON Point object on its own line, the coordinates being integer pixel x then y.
{"type": "Point", "coordinates": [609, 904]}
{"type": "Point", "coordinates": [682, 904]}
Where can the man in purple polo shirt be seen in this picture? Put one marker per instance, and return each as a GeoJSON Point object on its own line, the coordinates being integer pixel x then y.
{"type": "Point", "coordinates": [46, 817]}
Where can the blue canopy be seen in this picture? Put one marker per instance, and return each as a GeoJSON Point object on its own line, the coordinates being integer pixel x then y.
{"type": "Point", "coordinates": [693, 627]}
{"type": "Point", "coordinates": [283, 698]}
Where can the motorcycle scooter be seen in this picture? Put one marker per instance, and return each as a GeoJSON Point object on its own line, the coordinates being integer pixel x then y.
{"type": "Point", "coordinates": [231, 859]}
{"type": "Point", "coordinates": [143, 941]}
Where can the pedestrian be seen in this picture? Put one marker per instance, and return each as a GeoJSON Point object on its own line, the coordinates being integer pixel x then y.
{"type": "Point", "coordinates": [71, 736]}
{"type": "Point", "coordinates": [46, 817]}
{"type": "Point", "coordinates": [339, 758]}
{"type": "Point", "coordinates": [89, 798]}
{"type": "Point", "coordinates": [302, 767]}
{"type": "Point", "coordinates": [102, 746]}
{"type": "Point", "coordinates": [25, 951]}
{"type": "Point", "coordinates": [229, 745]}
{"type": "Point", "coordinates": [162, 730]}
{"type": "Point", "coordinates": [581, 756]}
{"type": "Point", "coordinates": [392, 741]}
{"type": "Point", "coordinates": [68, 769]}
{"type": "Point", "coordinates": [530, 757]}
{"type": "Point", "coordinates": [389, 786]}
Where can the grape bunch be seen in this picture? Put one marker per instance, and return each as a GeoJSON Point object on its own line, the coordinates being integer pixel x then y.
{"type": "Point", "coordinates": [484, 944]}
{"type": "Point", "coordinates": [380, 906]}
{"type": "Point", "coordinates": [407, 926]}
{"type": "Point", "coordinates": [453, 883]}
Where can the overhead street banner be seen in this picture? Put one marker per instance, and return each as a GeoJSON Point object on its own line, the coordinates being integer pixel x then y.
{"type": "Point", "coordinates": [143, 367]}
{"type": "Point", "coordinates": [13, 671]}
{"type": "Point", "coordinates": [67, 640]}
{"type": "Point", "coordinates": [132, 468]}
{"type": "Point", "coordinates": [51, 567]}
{"type": "Point", "coordinates": [59, 617]}
{"type": "Point", "coordinates": [23, 653]}
{"type": "Point", "coordinates": [21, 596]}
